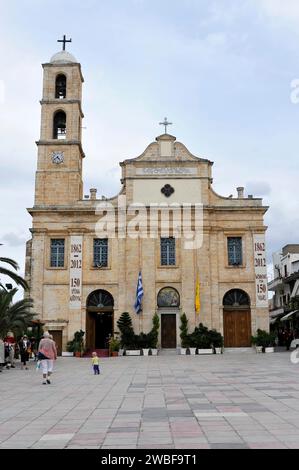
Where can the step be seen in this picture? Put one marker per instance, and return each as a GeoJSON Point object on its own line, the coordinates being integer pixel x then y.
{"type": "Point", "coordinates": [168, 352]}
{"type": "Point", "coordinates": [239, 350]}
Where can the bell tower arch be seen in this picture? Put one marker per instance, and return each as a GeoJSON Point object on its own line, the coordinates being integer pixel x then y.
{"type": "Point", "coordinates": [60, 153]}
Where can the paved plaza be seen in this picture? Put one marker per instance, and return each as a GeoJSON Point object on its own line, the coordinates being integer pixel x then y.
{"type": "Point", "coordinates": [234, 401]}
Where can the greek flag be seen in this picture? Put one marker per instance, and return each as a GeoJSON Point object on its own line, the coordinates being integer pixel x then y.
{"type": "Point", "coordinates": [139, 295]}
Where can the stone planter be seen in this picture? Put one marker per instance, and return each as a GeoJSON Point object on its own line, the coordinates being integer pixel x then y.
{"type": "Point", "coordinates": [133, 352]}
{"type": "Point", "coordinates": [145, 352]}
{"type": "Point", "coordinates": [259, 349]}
{"type": "Point", "coordinates": [67, 354]}
{"type": "Point", "coordinates": [201, 352]}
{"type": "Point", "coordinates": [192, 351]}
{"type": "Point", "coordinates": [183, 351]}
{"type": "Point", "coordinates": [269, 350]}
{"type": "Point", "coordinates": [121, 352]}
{"type": "Point", "coordinates": [218, 350]}
{"type": "Point", "coordinates": [154, 352]}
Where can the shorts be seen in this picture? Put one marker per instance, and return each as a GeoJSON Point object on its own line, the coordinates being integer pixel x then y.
{"type": "Point", "coordinates": [47, 366]}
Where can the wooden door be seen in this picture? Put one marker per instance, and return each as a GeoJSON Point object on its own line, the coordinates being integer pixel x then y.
{"type": "Point", "coordinates": [237, 328]}
{"type": "Point", "coordinates": [57, 338]}
{"type": "Point", "coordinates": [168, 331]}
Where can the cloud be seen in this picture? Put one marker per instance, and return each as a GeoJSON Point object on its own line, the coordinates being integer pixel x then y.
{"type": "Point", "coordinates": [280, 9]}
{"type": "Point", "coordinates": [258, 188]}
{"type": "Point", "coordinates": [13, 239]}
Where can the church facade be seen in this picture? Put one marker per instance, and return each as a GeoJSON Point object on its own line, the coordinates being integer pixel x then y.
{"type": "Point", "coordinates": [189, 244]}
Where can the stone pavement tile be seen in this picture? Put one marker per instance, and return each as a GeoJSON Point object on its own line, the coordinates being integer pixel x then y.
{"type": "Point", "coordinates": [267, 445]}
{"type": "Point", "coordinates": [193, 446]}
{"type": "Point", "coordinates": [229, 445]}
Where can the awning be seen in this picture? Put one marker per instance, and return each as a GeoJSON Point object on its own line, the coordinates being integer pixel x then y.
{"type": "Point", "coordinates": [289, 315]}
{"type": "Point", "coordinates": [295, 291]}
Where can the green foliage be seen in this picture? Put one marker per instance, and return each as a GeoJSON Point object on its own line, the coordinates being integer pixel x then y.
{"type": "Point", "coordinates": [152, 337]}
{"type": "Point", "coordinates": [12, 274]}
{"type": "Point", "coordinates": [264, 339]}
{"type": "Point", "coordinates": [15, 317]}
{"type": "Point", "coordinates": [143, 341]}
{"type": "Point", "coordinates": [203, 338]}
{"type": "Point", "coordinates": [114, 345]}
{"type": "Point", "coordinates": [77, 344]}
{"type": "Point", "coordinates": [184, 331]}
{"type": "Point", "coordinates": [128, 338]}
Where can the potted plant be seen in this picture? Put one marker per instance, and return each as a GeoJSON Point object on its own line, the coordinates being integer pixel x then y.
{"type": "Point", "coordinates": [114, 346]}
{"type": "Point", "coordinates": [143, 343]}
{"type": "Point", "coordinates": [201, 338]}
{"type": "Point", "coordinates": [256, 342]}
{"type": "Point", "coordinates": [128, 339]}
{"type": "Point", "coordinates": [153, 336]}
{"type": "Point", "coordinates": [184, 334]}
{"type": "Point", "coordinates": [216, 341]}
{"type": "Point", "coordinates": [77, 344]}
{"type": "Point", "coordinates": [264, 340]}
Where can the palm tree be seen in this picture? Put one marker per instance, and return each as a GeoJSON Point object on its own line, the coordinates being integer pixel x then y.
{"type": "Point", "coordinates": [16, 316]}
{"type": "Point", "coordinates": [13, 276]}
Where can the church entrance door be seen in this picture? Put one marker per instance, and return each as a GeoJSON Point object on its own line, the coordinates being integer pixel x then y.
{"type": "Point", "coordinates": [237, 328]}
{"type": "Point", "coordinates": [99, 322]}
{"type": "Point", "coordinates": [168, 331]}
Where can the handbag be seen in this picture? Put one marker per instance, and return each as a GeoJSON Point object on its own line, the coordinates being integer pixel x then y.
{"type": "Point", "coordinates": [41, 357]}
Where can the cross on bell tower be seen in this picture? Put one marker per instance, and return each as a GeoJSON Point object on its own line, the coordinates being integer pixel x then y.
{"type": "Point", "coordinates": [64, 41]}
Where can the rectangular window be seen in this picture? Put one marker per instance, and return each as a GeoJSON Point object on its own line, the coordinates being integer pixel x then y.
{"type": "Point", "coordinates": [235, 255]}
{"type": "Point", "coordinates": [168, 252]}
{"type": "Point", "coordinates": [100, 253]}
{"type": "Point", "coordinates": [57, 253]}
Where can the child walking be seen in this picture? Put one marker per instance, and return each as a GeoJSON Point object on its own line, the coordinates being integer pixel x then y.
{"type": "Point", "coordinates": [95, 363]}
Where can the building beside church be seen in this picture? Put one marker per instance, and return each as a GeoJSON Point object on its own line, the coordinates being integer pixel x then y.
{"type": "Point", "coordinates": [81, 278]}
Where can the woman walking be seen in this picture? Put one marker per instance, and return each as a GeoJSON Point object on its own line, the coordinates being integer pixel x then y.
{"type": "Point", "coordinates": [47, 354]}
{"type": "Point", "coordinates": [25, 350]}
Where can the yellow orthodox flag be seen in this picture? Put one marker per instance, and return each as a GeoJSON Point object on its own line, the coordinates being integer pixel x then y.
{"type": "Point", "coordinates": [197, 296]}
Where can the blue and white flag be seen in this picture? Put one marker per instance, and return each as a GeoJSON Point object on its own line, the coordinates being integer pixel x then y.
{"type": "Point", "coordinates": [139, 295]}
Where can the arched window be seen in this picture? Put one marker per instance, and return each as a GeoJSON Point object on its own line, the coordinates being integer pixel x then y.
{"type": "Point", "coordinates": [100, 299]}
{"type": "Point", "coordinates": [168, 297]}
{"type": "Point", "coordinates": [59, 126]}
{"type": "Point", "coordinates": [60, 89]}
{"type": "Point", "coordinates": [236, 298]}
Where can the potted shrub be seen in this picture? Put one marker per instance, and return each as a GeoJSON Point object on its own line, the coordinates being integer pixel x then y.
{"type": "Point", "coordinates": [153, 336]}
{"type": "Point", "coordinates": [201, 338]}
{"type": "Point", "coordinates": [184, 334]}
{"type": "Point", "coordinates": [143, 343]}
{"type": "Point", "coordinates": [77, 344]}
{"type": "Point", "coordinates": [114, 346]}
{"type": "Point", "coordinates": [256, 342]}
{"type": "Point", "coordinates": [217, 341]}
{"type": "Point", "coordinates": [264, 340]}
{"type": "Point", "coordinates": [128, 338]}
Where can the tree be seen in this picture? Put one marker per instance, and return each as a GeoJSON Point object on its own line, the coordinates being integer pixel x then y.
{"type": "Point", "coordinates": [13, 275]}
{"type": "Point", "coordinates": [184, 331]}
{"type": "Point", "coordinates": [125, 326]}
{"type": "Point", "coordinates": [15, 317]}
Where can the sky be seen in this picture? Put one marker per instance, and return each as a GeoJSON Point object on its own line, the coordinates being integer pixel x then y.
{"type": "Point", "coordinates": [222, 71]}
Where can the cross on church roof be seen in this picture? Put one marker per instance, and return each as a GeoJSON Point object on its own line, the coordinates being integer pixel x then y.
{"type": "Point", "coordinates": [64, 40]}
{"type": "Point", "coordinates": [166, 124]}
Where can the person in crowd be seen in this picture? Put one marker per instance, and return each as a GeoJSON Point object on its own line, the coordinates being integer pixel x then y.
{"type": "Point", "coordinates": [2, 354]}
{"type": "Point", "coordinates": [11, 344]}
{"type": "Point", "coordinates": [25, 351]}
{"type": "Point", "coordinates": [47, 354]}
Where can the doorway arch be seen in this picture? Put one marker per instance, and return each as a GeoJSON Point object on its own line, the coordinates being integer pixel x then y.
{"type": "Point", "coordinates": [237, 319]}
{"type": "Point", "coordinates": [99, 320]}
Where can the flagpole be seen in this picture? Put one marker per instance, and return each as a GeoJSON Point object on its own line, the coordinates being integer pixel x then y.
{"type": "Point", "coordinates": [140, 270]}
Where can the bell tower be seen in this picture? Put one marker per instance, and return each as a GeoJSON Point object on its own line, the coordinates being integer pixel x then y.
{"type": "Point", "coordinates": [60, 153]}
